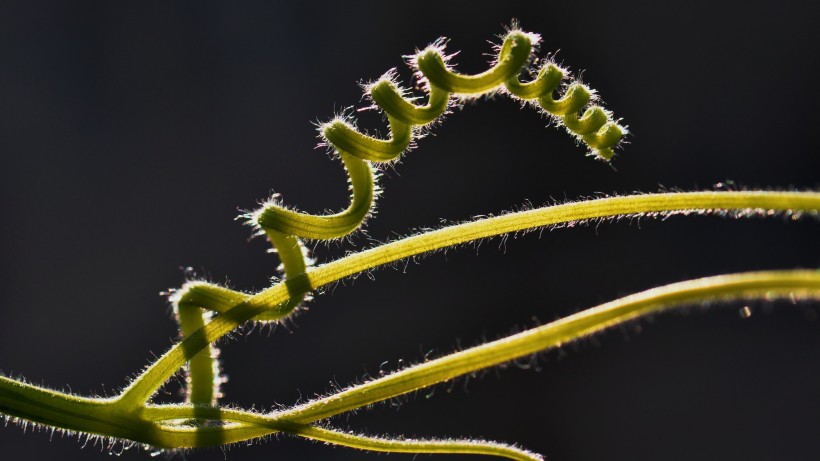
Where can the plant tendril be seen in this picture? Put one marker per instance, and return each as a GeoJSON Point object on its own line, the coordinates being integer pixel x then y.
{"type": "Point", "coordinates": [207, 312]}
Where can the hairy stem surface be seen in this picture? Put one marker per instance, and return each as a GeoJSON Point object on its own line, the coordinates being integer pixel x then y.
{"type": "Point", "coordinates": [271, 300]}
{"type": "Point", "coordinates": [149, 424]}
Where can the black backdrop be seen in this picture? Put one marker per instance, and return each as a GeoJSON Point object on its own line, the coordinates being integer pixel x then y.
{"type": "Point", "coordinates": [131, 133]}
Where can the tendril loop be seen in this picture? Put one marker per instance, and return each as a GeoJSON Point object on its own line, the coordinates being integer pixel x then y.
{"type": "Point", "coordinates": [594, 127]}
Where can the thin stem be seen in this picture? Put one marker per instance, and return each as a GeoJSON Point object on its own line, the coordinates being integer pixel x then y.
{"type": "Point", "coordinates": [754, 285]}
{"type": "Point", "coordinates": [460, 447]}
{"type": "Point", "coordinates": [744, 202]}
{"type": "Point", "coordinates": [203, 368]}
{"type": "Point", "coordinates": [252, 425]}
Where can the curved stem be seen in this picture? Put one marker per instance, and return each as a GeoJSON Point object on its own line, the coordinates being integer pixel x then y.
{"type": "Point", "coordinates": [252, 425]}
{"type": "Point", "coordinates": [753, 285]}
{"type": "Point", "coordinates": [741, 202]}
{"type": "Point", "coordinates": [460, 447]}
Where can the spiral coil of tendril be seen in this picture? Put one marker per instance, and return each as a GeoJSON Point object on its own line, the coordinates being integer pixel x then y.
{"type": "Point", "coordinates": [284, 227]}
{"type": "Point", "coordinates": [594, 127]}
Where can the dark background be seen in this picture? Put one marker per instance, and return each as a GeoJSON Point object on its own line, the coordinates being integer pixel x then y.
{"type": "Point", "coordinates": [132, 133]}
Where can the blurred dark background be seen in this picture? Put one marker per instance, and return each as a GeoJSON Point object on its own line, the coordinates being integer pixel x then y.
{"type": "Point", "coordinates": [132, 133]}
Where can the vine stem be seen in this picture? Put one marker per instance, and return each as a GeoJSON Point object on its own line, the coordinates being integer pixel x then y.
{"type": "Point", "coordinates": [100, 416]}
{"type": "Point", "coordinates": [270, 300]}
{"type": "Point", "coordinates": [770, 285]}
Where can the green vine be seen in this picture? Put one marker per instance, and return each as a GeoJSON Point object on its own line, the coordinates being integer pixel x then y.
{"type": "Point", "coordinates": [207, 312]}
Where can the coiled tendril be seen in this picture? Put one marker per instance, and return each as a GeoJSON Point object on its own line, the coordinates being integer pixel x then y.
{"type": "Point", "coordinates": [594, 127]}
{"type": "Point", "coordinates": [285, 227]}
{"type": "Point", "coordinates": [130, 416]}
